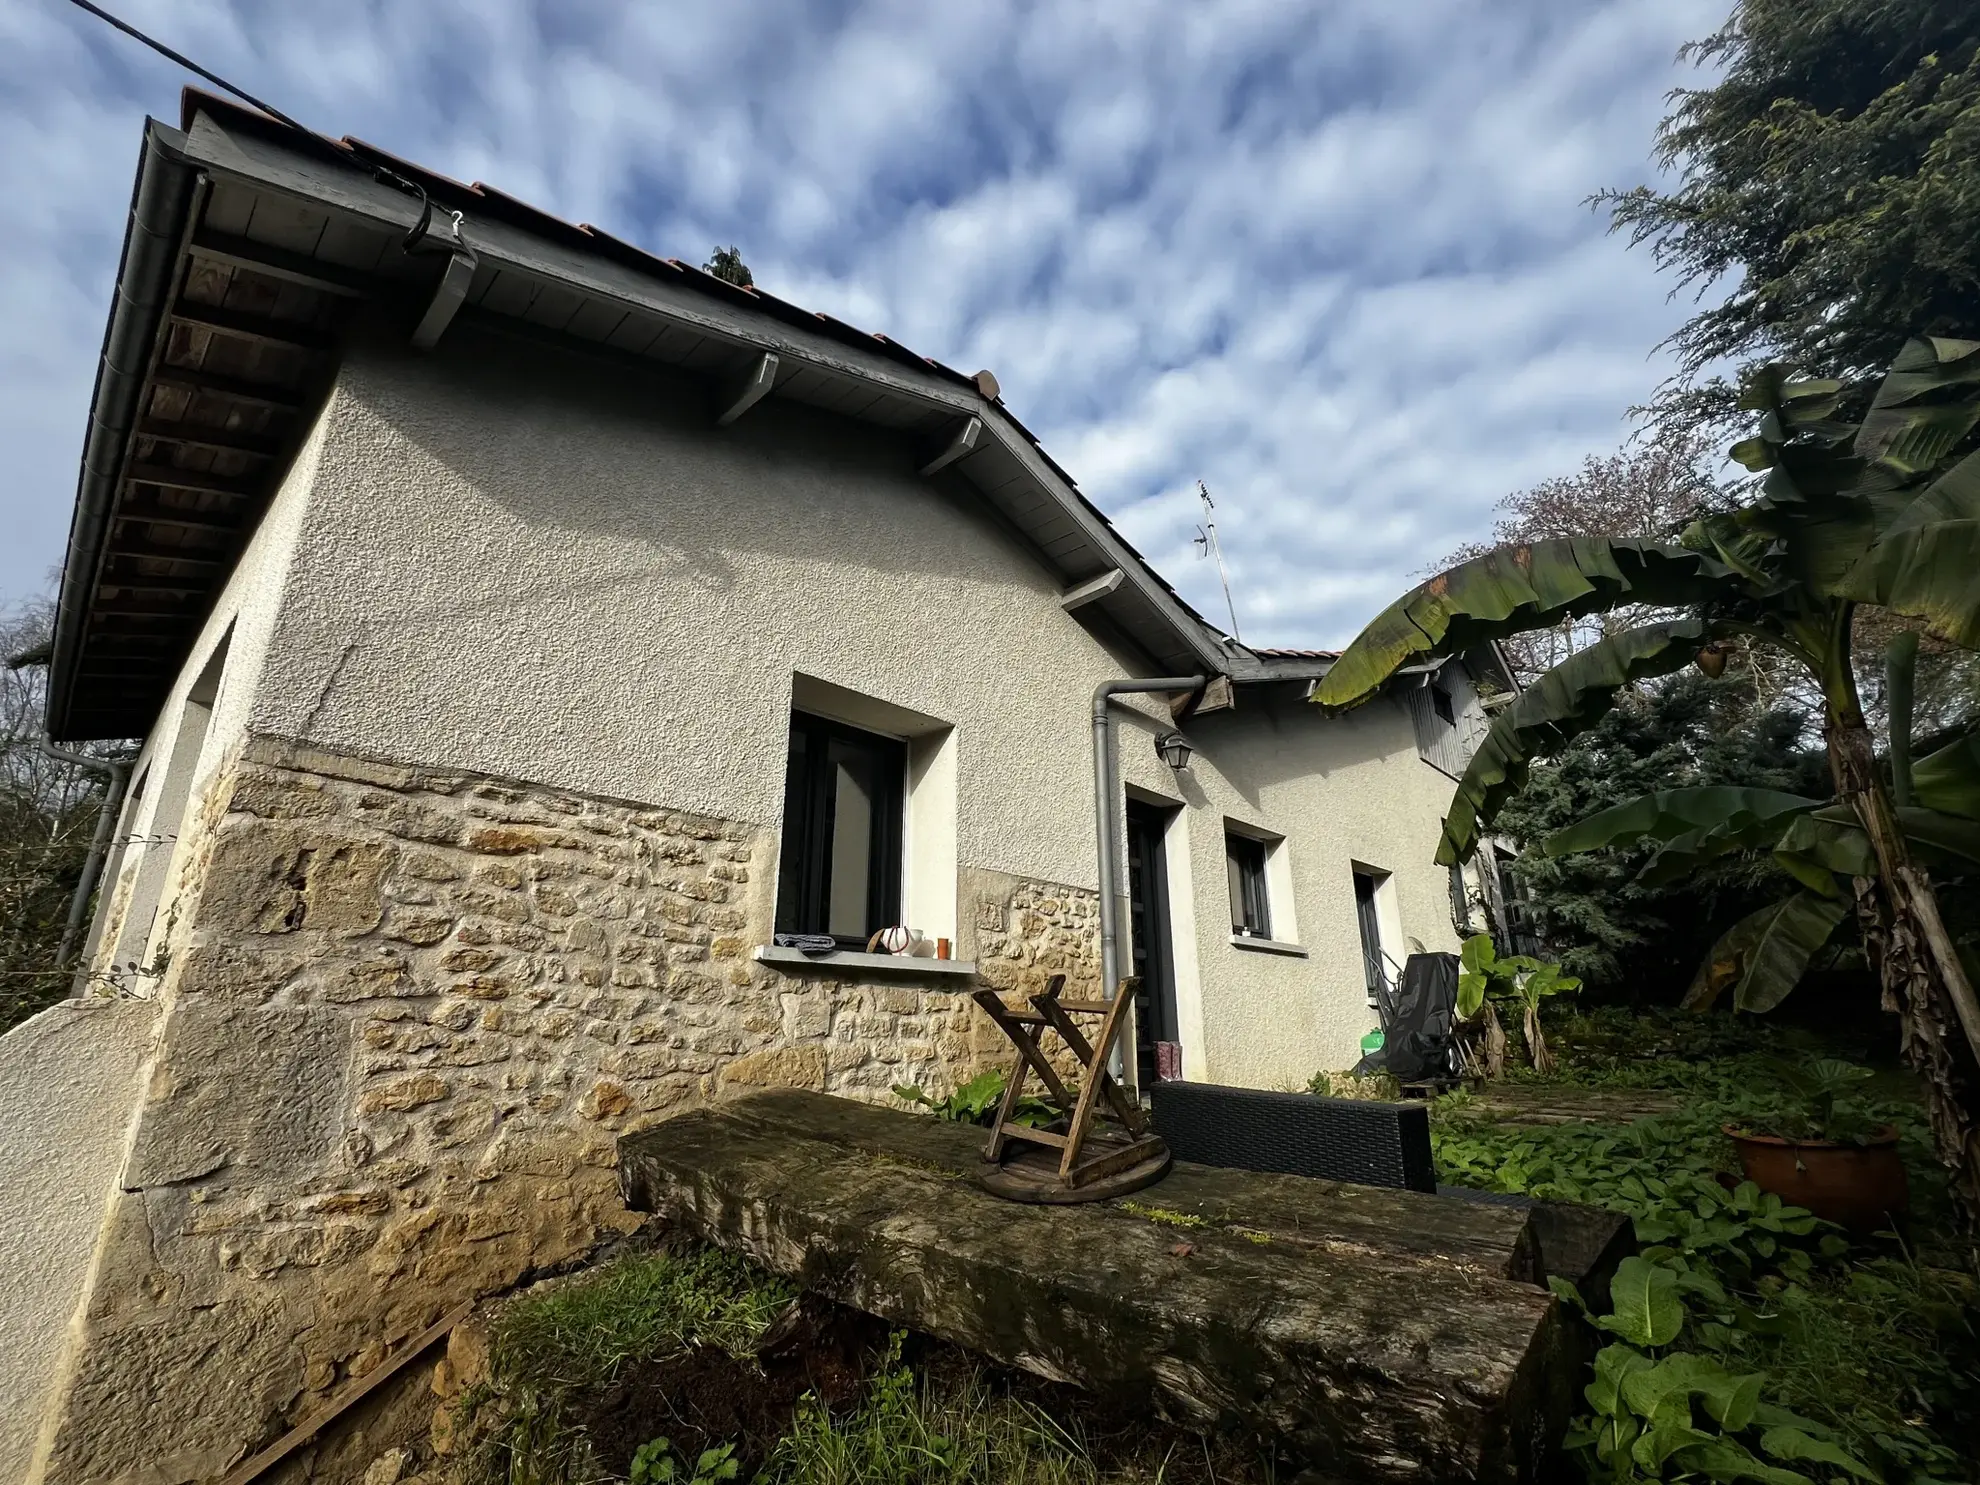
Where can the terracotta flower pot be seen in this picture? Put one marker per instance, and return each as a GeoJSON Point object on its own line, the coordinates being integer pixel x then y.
{"type": "Point", "coordinates": [1862, 1187]}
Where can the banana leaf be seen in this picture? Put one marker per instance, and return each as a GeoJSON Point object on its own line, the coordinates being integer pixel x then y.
{"type": "Point", "coordinates": [1670, 814]}
{"type": "Point", "coordinates": [1563, 703]}
{"type": "Point", "coordinates": [1821, 852]}
{"type": "Point", "coordinates": [1514, 589]}
{"type": "Point", "coordinates": [1929, 572]}
{"type": "Point", "coordinates": [1682, 855]}
{"type": "Point", "coordinates": [1948, 780]}
{"type": "Point", "coordinates": [1763, 956]}
{"type": "Point", "coordinates": [1953, 496]}
{"type": "Point", "coordinates": [1918, 415]}
{"type": "Point", "coordinates": [1935, 837]}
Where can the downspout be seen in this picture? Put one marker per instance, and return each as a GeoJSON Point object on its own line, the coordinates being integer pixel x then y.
{"type": "Point", "coordinates": [1105, 787]}
{"type": "Point", "coordinates": [106, 822]}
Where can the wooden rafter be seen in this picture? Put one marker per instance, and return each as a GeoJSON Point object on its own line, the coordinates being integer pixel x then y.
{"type": "Point", "coordinates": [258, 328]}
{"type": "Point", "coordinates": [191, 379]}
{"type": "Point", "coordinates": [171, 477]}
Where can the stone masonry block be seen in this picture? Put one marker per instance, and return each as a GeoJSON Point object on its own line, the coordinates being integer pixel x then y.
{"type": "Point", "coordinates": [256, 1091]}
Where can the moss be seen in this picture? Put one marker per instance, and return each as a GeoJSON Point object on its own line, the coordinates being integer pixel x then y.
{"type": "Point", "coordinates": [1163, 1215]}
{"type": "Point", "coordinates": [926, 1167]}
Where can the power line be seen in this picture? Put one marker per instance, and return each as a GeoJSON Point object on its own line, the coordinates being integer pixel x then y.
{"type": "Point", "coordinates": [190, 65]}
{"type": "Point", "coordinates": [378, 172]}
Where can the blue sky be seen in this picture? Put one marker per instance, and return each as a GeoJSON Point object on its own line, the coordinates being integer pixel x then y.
{"type": "Point", "coordinates": [1331, 258]}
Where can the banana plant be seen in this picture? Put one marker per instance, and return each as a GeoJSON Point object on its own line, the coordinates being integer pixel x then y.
{"type": "Point", "coordinates": [1883, 512]}
{"type": "Point", "coordinates": [1485, 975]}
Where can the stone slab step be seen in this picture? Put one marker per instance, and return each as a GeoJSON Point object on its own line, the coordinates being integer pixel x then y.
{"type": "Point", "coordinates": [1382, 1335]}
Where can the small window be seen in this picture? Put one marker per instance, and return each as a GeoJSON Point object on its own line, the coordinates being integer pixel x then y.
{"type": "Point", "coordinates": [1440, 703]}
{"type": "Point", "coordinates": [1251, 915]}
{"type": "Point", "coordinates": [840, 869]}
{"type": "Point", "coordinates": [1368, 920]}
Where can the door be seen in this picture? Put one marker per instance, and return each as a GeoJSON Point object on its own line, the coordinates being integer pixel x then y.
{"type": "Point", "coordinates": [1151, 961]}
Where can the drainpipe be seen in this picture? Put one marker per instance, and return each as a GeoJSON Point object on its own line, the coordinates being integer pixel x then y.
{"type": "Point", "coordinates": [1105, 788]}
{"type": "Point", "coordinates": [106, 822]}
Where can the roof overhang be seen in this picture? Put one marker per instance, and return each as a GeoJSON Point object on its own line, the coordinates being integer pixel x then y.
{"type": "Point", "coordinates": [250, 245]}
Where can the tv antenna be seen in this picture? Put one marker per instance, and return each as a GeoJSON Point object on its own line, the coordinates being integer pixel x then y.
{"type": "Point", "coordinates": [1206, 546]}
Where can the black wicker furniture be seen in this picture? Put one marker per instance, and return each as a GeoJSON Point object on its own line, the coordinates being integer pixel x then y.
{"type": "Point", "coordinates": [1297, 1134]}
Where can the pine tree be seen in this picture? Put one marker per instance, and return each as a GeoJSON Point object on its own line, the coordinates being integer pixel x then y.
{"type": "Point", "coordinates": [727, 265]}
{"type": "Point", "coordinates": [1626, 940]}
{"type": "Point", "coordinates": [1830, 180]}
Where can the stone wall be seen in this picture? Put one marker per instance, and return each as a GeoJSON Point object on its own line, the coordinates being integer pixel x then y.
{"type": "Point", "coordinates": [407, 1013]}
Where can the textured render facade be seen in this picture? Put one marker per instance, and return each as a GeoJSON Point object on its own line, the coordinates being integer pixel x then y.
{"type": "Point", "coordinates": [453, 847]}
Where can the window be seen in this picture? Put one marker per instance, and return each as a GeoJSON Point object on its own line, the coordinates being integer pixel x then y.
{"type": "Point", "coordinates": [1440, 703]}
{"type": "Point", "coordinates": [1251, 914]}
{"type": "Point", "coordinates": [1378, 922]}
{"type": "Point", "coordinates": [840, 870]}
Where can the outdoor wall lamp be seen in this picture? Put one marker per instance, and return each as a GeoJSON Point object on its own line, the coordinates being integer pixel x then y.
{"type": "Point", "coordinates": [1174, 750]}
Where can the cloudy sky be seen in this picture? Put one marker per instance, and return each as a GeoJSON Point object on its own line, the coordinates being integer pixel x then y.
{"type": "Point", "coordinates": [1332, 258]}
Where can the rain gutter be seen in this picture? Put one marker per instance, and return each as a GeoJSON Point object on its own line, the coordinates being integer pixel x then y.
{"type": "Point", "coordinates": [161, 206]}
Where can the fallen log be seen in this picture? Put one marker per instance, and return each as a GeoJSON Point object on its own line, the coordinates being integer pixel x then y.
{"type": "Point", "coordinates": [1381, 1335]}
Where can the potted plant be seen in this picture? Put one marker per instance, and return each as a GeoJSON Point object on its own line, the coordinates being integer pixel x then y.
{"type": "Point", "coordinates": [1825, 1150]}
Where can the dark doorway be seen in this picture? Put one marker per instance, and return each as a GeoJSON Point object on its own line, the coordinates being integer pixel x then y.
{"type": "Point", "coordinates": [1152, 961]}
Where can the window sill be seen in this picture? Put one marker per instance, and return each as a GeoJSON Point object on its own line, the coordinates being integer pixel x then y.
{"type": "Point", "coordinates": [1266, 946]}
{"type": "Point", "coordinates": [897, 964]}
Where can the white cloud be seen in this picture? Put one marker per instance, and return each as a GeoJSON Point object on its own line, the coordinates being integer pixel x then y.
{"type": "Point", "coordinates": [1330, 257]}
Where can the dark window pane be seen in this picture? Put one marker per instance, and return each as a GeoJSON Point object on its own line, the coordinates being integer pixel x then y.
{"type": "Point", "coordinates": [839, 869]}
{"type": "Point", "coordinates": [1373, 966]}
{"type": "Point", "coordinates": [1440, 702]}
{"type": "Point", "coordinates": [853, 788]}
{"type": "Point", "coordinates": [1245, 859]}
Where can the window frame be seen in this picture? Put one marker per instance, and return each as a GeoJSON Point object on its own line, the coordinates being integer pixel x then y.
{"type": "Point", "coordinates": [804, 874]}
{"type": "Point", "coordinates": [1369, 884]}
{"type": "Point", "coordinates": [1247, 875]}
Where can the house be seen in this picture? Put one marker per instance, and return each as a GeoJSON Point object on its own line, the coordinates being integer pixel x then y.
{"type": "Point", "coordinates": [525, 634]}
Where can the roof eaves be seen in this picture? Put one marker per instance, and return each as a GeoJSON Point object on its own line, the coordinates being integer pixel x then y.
{"type": "Point", "coordinates": [1198, 634]}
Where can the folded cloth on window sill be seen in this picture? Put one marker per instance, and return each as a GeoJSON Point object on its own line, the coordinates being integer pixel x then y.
{"type": "Point", "coordinates": [807, 943]}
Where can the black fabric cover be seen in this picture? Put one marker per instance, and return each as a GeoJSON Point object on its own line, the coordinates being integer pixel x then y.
{"type": "Point", "coordinates": [1417, 1020]}
{"type": "Point", "coordinates": [1297, 1134]}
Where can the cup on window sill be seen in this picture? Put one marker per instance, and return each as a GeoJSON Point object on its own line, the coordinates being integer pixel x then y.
{"type": "Point", "coordinates": [942, 948]}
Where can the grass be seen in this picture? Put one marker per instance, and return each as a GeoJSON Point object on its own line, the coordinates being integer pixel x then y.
{"type": "Point", "coordinates": [578, 1334]}
{"type": "Point", "coordinates": [557, 1350]}
{"type": "Point", "coordinates": [567, 1339]}
{"type": "Point", "coordinates": [908, 1431]}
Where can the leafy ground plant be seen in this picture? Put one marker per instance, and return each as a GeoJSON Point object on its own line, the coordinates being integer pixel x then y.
{"type": "Point", "coordinates": [1664, 1413]}
{"type": "Point", "coordinates": [975, 1102]}
{"type": "Point", "coordinates": [1860, 1351]}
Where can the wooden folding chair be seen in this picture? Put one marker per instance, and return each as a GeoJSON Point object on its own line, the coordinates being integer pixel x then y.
{"type": "Point", "coordinates": [1092, 1161]}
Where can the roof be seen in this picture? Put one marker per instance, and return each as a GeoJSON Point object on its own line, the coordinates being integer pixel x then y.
{"type": "Point", "coordinates": [251, 246]}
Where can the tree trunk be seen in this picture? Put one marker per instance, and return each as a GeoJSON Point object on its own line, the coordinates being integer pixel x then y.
{"type": "Point", "coordinates": [1923, 981]}
{"type": "Point", "coordinates": [1536, 1042]}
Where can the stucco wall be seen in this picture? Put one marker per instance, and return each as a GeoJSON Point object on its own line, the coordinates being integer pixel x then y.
{"type": "Point", "coordinates": [504, 584]}
{"type": "Point", "coordinates": [68, 1088]}
{"type": "Point", "coordinates": [1344, 792]}
{"type": "Point", "coordinates": [547, 569]}
{"type": "Point", "coordinates": [529, 564]}
{"type": "Point", "coordinates": [243, 618]}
